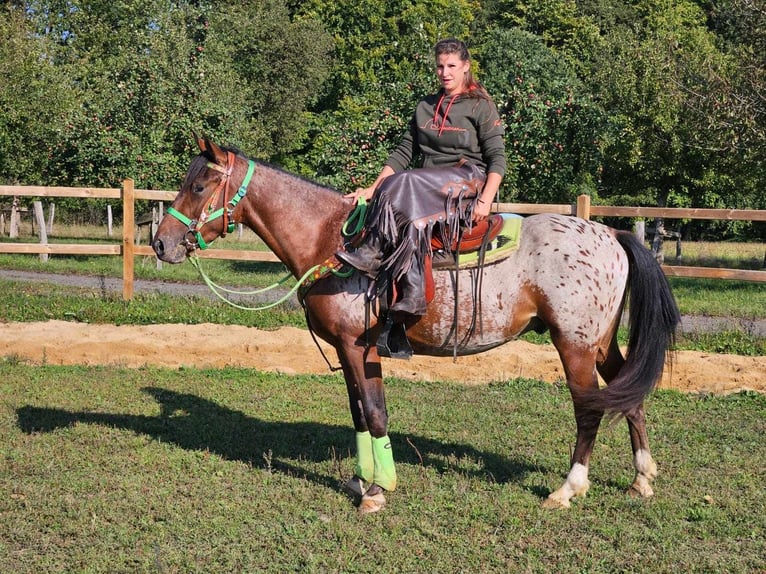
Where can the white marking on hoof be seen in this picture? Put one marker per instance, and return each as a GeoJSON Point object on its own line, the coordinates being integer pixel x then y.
{"type": "Point", "coordinates": [371, 504]}
{"type": "Point", "coordinates": [646, 472]}
{"type": "Point", "coordinates": [577, 484]}
{"type": "Point", "coordinates": [354, 486]}
{"type": "Point", "coordinates": [553, 502]}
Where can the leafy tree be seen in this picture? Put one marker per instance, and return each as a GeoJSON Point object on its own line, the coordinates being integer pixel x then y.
{"type": "Point", "coordinates": [37, 99]}
{"type": "Point", "coordinates": [657, 67]}
{"type": "Point", "coordinates": [277, 67]}
{"type": "Point", "coordinates": [124, 83]}
{"type": "Point", "coordinates": [552, 128]}
{"type": "Point", "coordinates": [151, 72]}
{"type": "Point", "coordinates": [738, 115]}
{"type": "Point", "coordinates": [559, 24]}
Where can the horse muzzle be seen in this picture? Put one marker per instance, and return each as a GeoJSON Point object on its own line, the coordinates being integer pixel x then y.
{"type": "Point", "coordinates": [171, 251]}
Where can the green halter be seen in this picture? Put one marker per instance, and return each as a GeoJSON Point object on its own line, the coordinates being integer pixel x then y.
{"type": "Point", "coordinates": [209, 213]}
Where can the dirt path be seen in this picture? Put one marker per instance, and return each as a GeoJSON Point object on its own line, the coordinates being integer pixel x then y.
{"type": "Point", "coordinates": [292, 351]}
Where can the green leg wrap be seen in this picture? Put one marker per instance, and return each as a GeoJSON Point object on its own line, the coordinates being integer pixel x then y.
{"type": "Point", "coordinates": [365, 462]}
{"type": "Point", "coordinates": [385, 472]}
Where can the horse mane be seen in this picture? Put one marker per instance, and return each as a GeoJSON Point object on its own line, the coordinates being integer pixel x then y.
{"type": "Point", "coordinates": [280, 169]}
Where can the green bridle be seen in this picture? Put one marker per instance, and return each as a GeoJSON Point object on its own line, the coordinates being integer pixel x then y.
{"type": "Point", "coordinates": [210, 213]}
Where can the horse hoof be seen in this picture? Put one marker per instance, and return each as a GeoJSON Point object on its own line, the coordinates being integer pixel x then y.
{"type": "Point", "coordinates": [354, 487]}
{"type": "Point", "coordinates": [371, 504]}
{"type": "Point", "coordinates": [552, 503]}
{"type": "Point", "coordinates": [637, 490]}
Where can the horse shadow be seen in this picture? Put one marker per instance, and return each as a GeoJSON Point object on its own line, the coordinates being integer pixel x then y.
{"type": "Point", "coordinates": [197, 424]}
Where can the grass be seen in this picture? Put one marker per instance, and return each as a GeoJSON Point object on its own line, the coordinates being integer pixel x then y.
{"type": "Point", "coordinates": [727, 255]}
{"type": "Point", "coordinates": [234, 470]}
{"type": "Point", "coordinates": [45, 301]}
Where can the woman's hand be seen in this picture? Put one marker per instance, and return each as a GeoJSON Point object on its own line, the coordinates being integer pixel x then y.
{"type": "Point", "coordinates": [368, 192]}
{"type": "Point", "coordinates": [365, 192]}
{"type": "Point", "coordinates": [480, 210]}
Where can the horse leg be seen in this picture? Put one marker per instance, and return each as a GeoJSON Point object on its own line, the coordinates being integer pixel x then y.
{"type": "Point", "coordinates": [580, 368]}
{"type": "Point", "coordinates": [646, 468]}
{"type": "Point", "coordinates": [375, 462]}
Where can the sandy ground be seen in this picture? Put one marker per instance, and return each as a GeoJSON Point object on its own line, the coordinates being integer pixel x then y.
{"type": "Point", "coordinates": [292, 351]}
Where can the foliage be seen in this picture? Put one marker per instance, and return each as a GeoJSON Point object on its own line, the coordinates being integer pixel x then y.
{"type": "Point", "coordinates": [552, 128]}
{"type": "Point", "coordinates": [384, 65]}
{"type": "Point", "coordinates": [560, 24]}
{"type": "Point", "coordinates": [148, 74]}
{"type": "Point", "coordinates": [659, 68]}
{"type": "Point", "coordinates": [34, 116]}
{"type": "Point", "coordinates": [651, 102]}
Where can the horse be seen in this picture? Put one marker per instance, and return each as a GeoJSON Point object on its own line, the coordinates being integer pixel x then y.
{"type": "Point", "coordinates": [569, 276]}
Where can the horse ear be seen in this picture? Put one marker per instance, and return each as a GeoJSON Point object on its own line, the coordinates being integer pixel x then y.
{"type": "Point", "coordinates": [210, 150]}
{"type": "Point", "coordinates": [201, 143]}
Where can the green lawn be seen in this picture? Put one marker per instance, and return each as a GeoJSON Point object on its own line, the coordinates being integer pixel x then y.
{"type": "Point", "coordinates": [234, 470]}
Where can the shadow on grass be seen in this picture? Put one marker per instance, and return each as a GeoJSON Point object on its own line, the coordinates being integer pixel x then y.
{"type": "Point", "coordinates": [194, 423]}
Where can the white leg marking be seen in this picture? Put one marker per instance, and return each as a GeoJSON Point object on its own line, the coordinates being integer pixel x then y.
{"type": "Point", "coordinates": [370, 504]}
{"type": "Point", "coordinates": [577, 484]}
{"type": "Point", "coordinates": [646, 472]}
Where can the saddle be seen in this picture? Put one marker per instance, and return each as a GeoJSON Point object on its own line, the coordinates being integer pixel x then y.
{"type": "Point", "coordinates": [483, 232]}
{"type": "Point", "coordinates": [489, 240]}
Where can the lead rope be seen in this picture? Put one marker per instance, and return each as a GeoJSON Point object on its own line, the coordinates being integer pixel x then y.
{"type": "Point", "coordinates": [218, 289]}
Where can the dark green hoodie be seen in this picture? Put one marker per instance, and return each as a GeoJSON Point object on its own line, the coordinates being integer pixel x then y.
{"type": "Point", "coordinates": [445, 129]}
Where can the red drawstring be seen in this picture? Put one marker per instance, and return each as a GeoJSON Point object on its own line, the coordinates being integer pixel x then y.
{"type": "Point", "coordinates": [446, 112]}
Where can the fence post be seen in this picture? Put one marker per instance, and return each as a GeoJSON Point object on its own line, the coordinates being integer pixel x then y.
{"type": "Point", "coordinates": [128, 232]}
{"type": "Point", "coordinates": [15, 216]}
{"type": "Point", "coordinates": [40, 216]}
{"type": "Point", "coordinates": [583, 206]}
{"type": "Point", "coordinates": [51, 214]}
{"type": "Point", "coordinates": [640, 230]}
{"type": "Point", "coordinates": [155, 227]}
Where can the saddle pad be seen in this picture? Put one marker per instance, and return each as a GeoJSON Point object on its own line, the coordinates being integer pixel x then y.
{"type": "Point", "coordinates": [504, 243]}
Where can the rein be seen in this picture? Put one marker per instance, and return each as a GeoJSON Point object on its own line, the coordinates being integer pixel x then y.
{"type": "Point", "coordinates": [351, 228]}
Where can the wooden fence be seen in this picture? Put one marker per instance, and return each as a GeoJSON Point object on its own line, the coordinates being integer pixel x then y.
{"type": "Point", "coordinates": [128, 250]}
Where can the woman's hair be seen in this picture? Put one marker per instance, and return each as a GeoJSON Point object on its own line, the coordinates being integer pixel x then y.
{"type": "Point", "coordinates": [454, 46]}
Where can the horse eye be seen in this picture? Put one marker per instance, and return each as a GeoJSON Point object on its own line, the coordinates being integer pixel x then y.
{"type": "Point", "coordinates": [198, 188]}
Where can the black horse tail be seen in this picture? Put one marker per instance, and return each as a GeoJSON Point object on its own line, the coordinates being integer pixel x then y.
{"type": "Point", "coordinates": [653, 319]}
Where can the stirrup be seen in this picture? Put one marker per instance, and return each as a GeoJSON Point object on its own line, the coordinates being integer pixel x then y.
{"type": "Point", "coordinates": [393, 342]}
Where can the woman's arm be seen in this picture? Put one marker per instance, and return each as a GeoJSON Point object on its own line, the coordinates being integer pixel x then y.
{"type": "Point", "coordinates": [487, 196]}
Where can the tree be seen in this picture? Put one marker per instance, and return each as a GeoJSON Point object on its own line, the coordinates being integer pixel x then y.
{"type": "Point", "coordinates": [150, 72]}
{"type": "Point", "coordinates": [552, 128]}
{"type": "Point", "coordinates": [654, 75]}
{"type": "Point", "coordinates": [36, 96]}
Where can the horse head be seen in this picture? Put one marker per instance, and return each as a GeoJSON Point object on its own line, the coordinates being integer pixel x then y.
{"type": "Point", "coordinates": [205, 206]}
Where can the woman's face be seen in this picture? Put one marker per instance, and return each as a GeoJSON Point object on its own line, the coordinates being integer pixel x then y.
{"type": "Point", "coordinates": [451, 71]}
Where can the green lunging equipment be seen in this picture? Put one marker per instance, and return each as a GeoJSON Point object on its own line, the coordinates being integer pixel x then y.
{"type": "Point", "coordinates": [365, 462]}
{"type": "Point", "coordinates": [385, 472]}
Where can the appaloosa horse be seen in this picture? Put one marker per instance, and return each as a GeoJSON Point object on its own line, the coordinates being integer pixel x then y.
{"type": "Point", "coordinates": [568, 275]}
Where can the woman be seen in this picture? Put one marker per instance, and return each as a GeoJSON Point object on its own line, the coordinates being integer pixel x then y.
{"type": "Point", "coordinates": [457, 136]}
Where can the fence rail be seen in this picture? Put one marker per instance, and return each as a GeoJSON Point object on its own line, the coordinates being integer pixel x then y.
{"type": "Point", "coordinates": [129, 250]}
